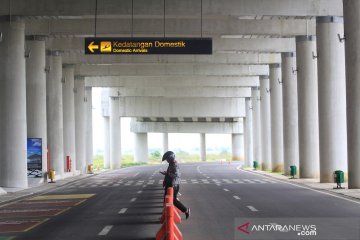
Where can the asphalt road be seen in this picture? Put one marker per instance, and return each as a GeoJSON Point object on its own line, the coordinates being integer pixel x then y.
{"type": "Point", "coordinates": [127, 204]}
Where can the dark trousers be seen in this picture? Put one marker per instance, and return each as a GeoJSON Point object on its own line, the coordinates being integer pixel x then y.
{"type": "Point", "coordinates": [177, 203]}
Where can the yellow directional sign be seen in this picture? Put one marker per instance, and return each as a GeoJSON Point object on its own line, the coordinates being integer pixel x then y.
{"type": "Point", "coordinates": [92, 47]}
{"type": "Point", "coordinates": [148, 46]}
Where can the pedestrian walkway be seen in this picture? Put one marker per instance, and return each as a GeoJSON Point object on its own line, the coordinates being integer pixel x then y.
{"type": "Point", "coordinates": [312, 183]}
{"type": "Point", "coordinates": [14, 194]}
{"type": "Point", "coordinates": [128, 183]}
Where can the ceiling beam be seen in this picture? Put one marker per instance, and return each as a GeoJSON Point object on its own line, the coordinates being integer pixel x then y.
{"type": "Point", "coordinates": [171, 81]}
{"type": "Point", "coordinates": [172, 69]}
{"type": "Point", "coordinates": [181, 107]}
{"type": "Point", "coordinates": [190, 27]}
{"type": "Point", "coordinates": [219, 58]}
{"type": "Point", "coordinates": [185, 92]}
{"type": "Point", "coordinates": [187, 127]}
{"type": "Point", "coordinates": [71, 8]}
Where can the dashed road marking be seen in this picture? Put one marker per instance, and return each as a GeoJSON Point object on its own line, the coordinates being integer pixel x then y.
{"type": "Point", "coordinates": [123, 210]}
{"type": "Point", "coordinates": [105, 230]}
{"type": "Point", "coordinates": [133, 199]}
{"type": "Point", "coordinates": [226, 190]}
{"type": "Point", "coordinates": [252, 208]}
{"type": "Point", "coordinates": [299, 186]}
{"type": "Point", "coordinates": [237, 197]}
{"type": "Point", "coordinates": [62, 197]}
{"type": "Point", "coordinates": [198, 169]}
{"type": "Point", "coordinates": [139, 192]}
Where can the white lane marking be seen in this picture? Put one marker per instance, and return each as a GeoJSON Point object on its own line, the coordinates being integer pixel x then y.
{"type": "Point", "coordinates": [237, 197]}
{"type": "Point", "coordinates": [105, 230]}
{"type": "Point", "coordinates": [226, 190]}
{"type": "Point", "coordinates": [133, 199]}
{"type": "Point", "coordinates": [218, 184]}
{"type": "Point", "coordinates": [276, 180]}
{"type": "Point", "coordinates": [252, 208]}
{"type": "Point", "coordinates": [139, 192]}
{"type": "Point", "coordinates": [123, 210]}
{"type": "Point", "coordinates": [198, 169]}
{"type": "Point", "coordinates": [136, 174]}
{"type": "Point", "coordinates": [194, 181]}
{"type": "Point", "coordinates": [207, 177]}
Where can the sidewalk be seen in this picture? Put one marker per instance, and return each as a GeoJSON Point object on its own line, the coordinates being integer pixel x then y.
{"type": "Point", "coordinates": [39, 187]}
{"type": "Point", "coordinates": [313, 184]}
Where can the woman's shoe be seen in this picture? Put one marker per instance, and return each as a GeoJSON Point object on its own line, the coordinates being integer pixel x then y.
{"type": "Point", "coordinates": [187, 213]}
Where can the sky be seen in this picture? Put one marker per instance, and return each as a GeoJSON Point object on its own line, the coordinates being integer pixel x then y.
{"type": "Point", "coordinates": [183, 141]}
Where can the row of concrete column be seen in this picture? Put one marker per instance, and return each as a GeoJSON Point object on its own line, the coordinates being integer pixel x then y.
{"type": "Point", "coordinates": [306, 109]}
{"type": "Point", "coordinates": [112, 134]}
{"type": "Point", "coordinates": [40, 98]}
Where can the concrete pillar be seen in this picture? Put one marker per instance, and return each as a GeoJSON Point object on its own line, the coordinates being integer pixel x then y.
{"type": "Point", "coordinates": [69, 114]}
{"type": "Point", "coordinates": [352, 53]}
{"type": "Point", "coordinates": [13, 166]}
{"type": "Point", "coordinates": [276, 109]}
{"type": "Point", "coordinates": [106, 142]}
{"type": "Point", "coordinates": [332, 97]}
{"type": "Point", "coordinates": [141, 147]}
{"type": "Point", "coordinates": [248, 140]}
{"type": "Point", "coordinates": [54, 111]}
{"type": "Point", "coordinates": [308, 118]}
{"type": "Point", "coordinates": [265, 122]}
{"type": "Point", "coordinates": [290, 111]}
{"type": "Point", "coordinates": [237, 143]}
{"type": "Point", "coordinates": [255, 99]}
{"type": "Point", "coordinates": [80, 124]}
{"type": "Point", "coordinates": [115, 133]}
{"type": "Point", "coordinates": [165, 137]}
{"type": "Point", "coordinates": [89, 126]}
{"type": "Point", "coordinates": [36, 93]}
{"type": "Point", "coordinates": [202, 147]}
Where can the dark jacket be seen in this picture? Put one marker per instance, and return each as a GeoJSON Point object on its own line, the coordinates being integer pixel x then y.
{"type": "Point", "coordinates": [172, 177]}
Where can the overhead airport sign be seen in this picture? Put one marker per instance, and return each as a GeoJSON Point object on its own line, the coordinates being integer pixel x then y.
{"type": "Point", "coordinates": [106, 46]}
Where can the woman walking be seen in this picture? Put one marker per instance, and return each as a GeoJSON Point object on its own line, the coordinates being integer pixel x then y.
{"type": "Point", "coordinates": [172, 179]}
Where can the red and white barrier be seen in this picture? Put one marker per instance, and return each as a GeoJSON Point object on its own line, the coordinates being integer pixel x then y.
{"type": "Point", "coordinates": [170, 217]}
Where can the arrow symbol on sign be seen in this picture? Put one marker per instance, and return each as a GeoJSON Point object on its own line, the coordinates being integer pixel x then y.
{"type": "Point", "coordinates": [92, 46]}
